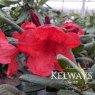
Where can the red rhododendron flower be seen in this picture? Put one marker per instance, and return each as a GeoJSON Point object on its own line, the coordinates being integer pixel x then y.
{"type": "Point", "coordinates": [34, 18]}
{"type": "Point", "coordinates": [43, 44]}
{"type": "Point", "coordinates": [47, 20]}
{"type": "Point", "coordinates": [72, 27]}
{"type": "Point", "coordinates": [8, 55]}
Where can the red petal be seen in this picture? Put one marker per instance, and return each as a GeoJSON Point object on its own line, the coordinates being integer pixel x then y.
{"type": "Point", "coordinates": [33, 40]}
{"type": "Point", "coordinates": [8, 54]}
{"type": "Point", "coordinates": [29, 43]}
{"type": "Point", "coordinates": [16, 35]}
{"type": "Point", "coordinates": [12, 67]}
{"type": "Point", "coordinates": [43, 64]}
{"type": "Point", "coordinates": [63, 49]}
{"type": "Point", "coordinates": [2, 36]}
{"type": "Point", "coordinates": [50, 32]}
{"type": "Point", "coordinates": [25, 26]}
{"type": "Point", "coordinates": [28, 25]}
{"type": "Point", "coordinates": [69, 55]}
{"type": "Point", "coordinates": [72, 40]}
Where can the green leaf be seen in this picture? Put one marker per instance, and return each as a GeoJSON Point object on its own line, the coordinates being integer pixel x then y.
{"type": "Point", "coordinates": [11, 23]}
{"type": "Point", "coordinates": [92, 84]}
{"type": "Point", "coordinates": [12, 40]}
{"type": "Point", "coordinates": [92, 70]}
{"type": "Point", "coordinates": [78, 49]}
{"type": "Point", "coordinates": [9, 2]}
{"type": "Point", "coordinates": [75, 66]}
{"type": "Point", "coordinates": [22, 17]}
{"type": "Point", "coordinates": [42, 2]}
{"type": "Point", "coordinates": [45, 81]}
{"type": "Point", "coordinates": [2, 5]}
{"type": "Point", "coordinates": [68, 69]}
{"type": "Point", "coordinates": [6, 89]}
{"type": "Point", "coordinates": [87, 38]}
{"type": "Point", "coordinates": [89, 45]}
{"type": "Point", "coordinates": [13, 1]}
{"type": "Point", "coordinates": [31, 87]}
{"type": "Point", "coordinates": [64, 64]}
{"type": "Point", "coordinates": [88, 93]}
{"type": "Point", "coordinates": [30, 1]}
{"type": "Point", "coordinates": [66, 92]}
{"type": "Point", "coordinates": [85, 59]}
{"type": "Point", "coordinates": [51, 93]}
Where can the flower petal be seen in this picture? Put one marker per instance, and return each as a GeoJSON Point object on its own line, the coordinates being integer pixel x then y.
{"type": "Point", "coordinates": [16, 35]}
{"type": "Point", "coordinates": [50, 32]}
{"type": "Point", "coordinates": [8, 54]}
{"type": "Point", "coordinates": [43, 64]}
{"type": "Point", "coordinates": [29, 43]}
{"type": "Point", "coordinates": [69, 55]}
{"type": "Point", "coordinates": [28, 25]}
{"type": "Point", "coordinates": [12, 67]}
{"type": "Point", "coordinates": [43, 44]}
{"type": "Point", "coordinates": [72, 40]}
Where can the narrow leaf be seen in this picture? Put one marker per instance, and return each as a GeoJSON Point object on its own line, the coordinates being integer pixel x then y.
{"type": "Point", "coordinates": [72, 64]}
{"type": "Point", "coordinates": [45, 81]}
{"type": "Point", "coordinates": [64, 92]}
{"type": "Point", "coordinates": [12, 23]}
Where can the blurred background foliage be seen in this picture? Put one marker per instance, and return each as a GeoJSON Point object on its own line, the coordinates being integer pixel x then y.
{"type": "Point", "coordinates": [14, 12]}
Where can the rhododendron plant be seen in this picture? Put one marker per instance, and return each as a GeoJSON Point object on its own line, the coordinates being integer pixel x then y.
{"type": "Point", "coordinates": [63, 53]}
{"type": "Point", "coordinates": [73, 27]}
{"type": "Point", "coordinates": [43, 44]}
{"type": "Point", "coordinates": [8, 54]}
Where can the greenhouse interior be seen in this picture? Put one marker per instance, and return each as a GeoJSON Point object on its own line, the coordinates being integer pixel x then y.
{"type": "Point", "coordinates": [47, 47]}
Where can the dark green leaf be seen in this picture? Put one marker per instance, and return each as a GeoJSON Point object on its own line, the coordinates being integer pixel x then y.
{"type": "Point", "coordinates": [78, 49]}
{"type": "Point", "coordinates": [10, 22]}
{"type": "Point", "coordinates": [89, 45]}
{"type": "Point", "coordinates": [6, 89]}
{"type": "Point", "coordinates": [44, 81]}
{"type": "Point", "coordinates": [92, 84]}
{"type": "Point", "coordinates": [22, 17]}
{"type": "Point", "coordinates": [92, 70]}
{"type": "Point", "coordinates": [30, 1]}
{"type": "Point", "coordinates": [64, 92]}
{"type": "Point", "coordinates": [2, 5]}
{"type": "Point", "coordinates": [42, 2]}
{"type": "Point", "coordinates": [12, 40]}
{"type": "Point", "coordinates": [88, 93]}
{"type": "Point", "coordinates": [13, 1]}
{"type": "Point", "coordinates": [9, 2]}
{"type": "Point", "coordinates": [85, 59]}
{"type": "Point", "coordinates": [31, 87]}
